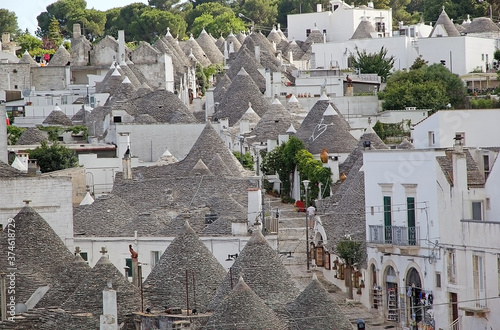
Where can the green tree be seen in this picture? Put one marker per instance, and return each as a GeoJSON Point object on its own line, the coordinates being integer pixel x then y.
{"type": "Point", "coordinates": [14, 133]}
{"type": "Point", "coordinates": [217, 25]}
{"type": "Point", "coordinates": [377, 63]}
{"type": "Point", "coordinates": [63, 11]}
{"type": "Point", "coordinates": [262, 12]}
{"type": "Point", "coordinates": [287, 7]}
{"type": "Point", "coordinates": [429, 87]}
{"type": "Point", "coordinates": [213, 9]}
{"type": "Point", "coordinates": [418, 63]}
{"type": "Point", "coordinates": [92, 22]}
{"type": "Point", "coordinates": [8, 22]}
{"type": "Point", "coordinates": [248, 161]}
{"type": "Point", "coordinates": [53, 157]}
{"type": "Point", "coordinates": [352, 253]}
{"type": "Point", "coordinates": [55, 32]}
{"type": "Point", "coordinates": [28, 42]}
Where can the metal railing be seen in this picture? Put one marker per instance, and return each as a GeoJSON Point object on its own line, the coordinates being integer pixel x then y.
{"type": "Point", "coordinates": [396, 235]}
{"type": "Point", "coordinates": [455, 325]}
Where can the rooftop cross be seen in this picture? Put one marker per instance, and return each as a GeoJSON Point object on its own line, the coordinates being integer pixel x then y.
{"type": "Point", "coordinates": [103, 250]}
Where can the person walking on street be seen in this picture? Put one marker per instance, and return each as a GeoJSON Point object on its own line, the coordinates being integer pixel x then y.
{"type": "Point", "coordinates": [311, 212]}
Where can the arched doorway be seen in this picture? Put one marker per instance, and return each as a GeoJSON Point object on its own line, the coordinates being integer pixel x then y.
{"type": "Point", "coordinates": [391, 285]}
{"type": "Point", "coordinates": [414, 292]}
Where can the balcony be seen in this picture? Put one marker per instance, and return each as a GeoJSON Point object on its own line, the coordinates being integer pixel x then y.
{"type": "Point", "coordinates": [395, 235]}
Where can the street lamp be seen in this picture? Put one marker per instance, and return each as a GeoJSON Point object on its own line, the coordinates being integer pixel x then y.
{"type": "Point", "coordinates": [251, 20]}
{"type": "Point", "coordinates": [306, 185]}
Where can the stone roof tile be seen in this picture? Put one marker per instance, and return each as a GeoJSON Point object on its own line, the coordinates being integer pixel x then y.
{"type": "Point", "coordinates": [242, 308]}
{"type": "Point", "coordinates": [208, 45]}
{"type": "Point", "coordinates": [57, 117]}
{"type": "Point", "coordinates": [264, 273]}
{"type": "Point", "coordinates": [32, 135]}
{"type": "Point", "coordinates": [166, 284]}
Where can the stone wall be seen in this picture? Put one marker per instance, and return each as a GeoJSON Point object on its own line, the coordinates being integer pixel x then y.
{"type": "Point", "coordinates": [49, 78]}
{"type": "Point", "coordinates": [14, 76]}
{"type": "Point", "coordinates": [77, 175]}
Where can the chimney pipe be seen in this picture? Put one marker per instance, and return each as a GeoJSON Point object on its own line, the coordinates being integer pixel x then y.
{"type": "Point", "coordinates": [77, 31]}
{"type": "Point", "coordinates": [109, 318]}
{"type": "Point", "coordinates": [32, 167]}
{"type": "Point", "coordinates": [257, 53]}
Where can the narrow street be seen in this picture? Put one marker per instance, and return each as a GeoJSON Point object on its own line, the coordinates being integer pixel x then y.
{"type": "Point", "coordinates": [292, 238]}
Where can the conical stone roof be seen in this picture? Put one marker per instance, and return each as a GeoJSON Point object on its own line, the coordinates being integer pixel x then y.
{"type": "Point", "coordinates": [192, 46]}
{"type": "Point", "coordinates": [245, 59]}
{"type": "Point", "coordinates": [220, 43]}
{"type": "Point", "coordinates": [60, 58]}
{"type": "Point", "coordinates": [405, 144]}
{"type": "Point", "coordinates": [166, 284]}
{"type": "Point", "coordinates": [482, 25]}
{"type": "Point", "coordinates": [31, 135]}
{"type": "Point", "coordinates": [324, 127]}
{"type": "Point", "coordinates": [164, 106]}
{"type": "Point", "coordinates": [315, 307]}
{"type": "Point", "coordinates": [357, 152]}
{"type": "Point", "coordinates": [144, 119]}
{"type": "Point", "coordinates": [296, 109]}
{"type": "Point", "coordinates": [364, 30]}
{"type": "Point", "coordinates": [275, 121]}
{"type": "Point", "coordinates": [57, 117]}
{"type": "Point", "coordinates": [81, 115]}
{"type": "Point", "coordinates": [26, 58]}
{"type": "Point", "coordinates": [105, 217]}
{"type": "Point", "coordinates": [253, 119]}
{"type": "Point", "coordinates": [40, 254]}
{"type": "Point", "coordinates": [297, 53]}
{"type": "Point", "coordinates": [222, 81]}
{"type": "Point", "coordinates": [217, 166]}
{"type": "Point", "coordinates": [208, 45]}
{"type": "Point", "coordinates": [71, 278]}
{"type": "Point", "coordinates": [88, 296]}
{"type": "Point", "coordinates": [174, 44]}
{"type": "Point", "coordinates": [241, 36]}
{"type": "Point", "coordinates": [243, 90]}
{"type": "Point", "coordinates": [445, 23]}
{"type": "Point", "coordinates": [206, 146]}
{"type": "Point", "coordinates": [142, 90]}
{"type": "Point", "coordinates": [264, 273]}
{"type": "Point", "coordinates": [274, 36]}
{"type": "Point", "coordinates": [166, 158]}
{"type": "Point", "coordinates": [315, 37]}
{"type": "Point", "coordinates": [200, 169]}
{"type": "Point", "coordinates": [243, 309]}
{"type": "Point", "coordinates": [231, 38]}
{"type": "Point", "coordinates": [110, 83]}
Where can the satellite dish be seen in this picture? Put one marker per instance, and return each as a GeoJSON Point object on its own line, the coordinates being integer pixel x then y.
{"type": "Point", "coordinates": [26, 92]}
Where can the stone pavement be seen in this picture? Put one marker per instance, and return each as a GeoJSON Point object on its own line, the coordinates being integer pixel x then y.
{"type": "Point", "coordinates": [292, 238]}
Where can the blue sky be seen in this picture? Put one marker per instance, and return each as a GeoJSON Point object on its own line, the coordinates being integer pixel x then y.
{"type": "Point", "coordinates": [28, 10]}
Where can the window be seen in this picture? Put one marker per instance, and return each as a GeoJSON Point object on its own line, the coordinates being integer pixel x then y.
{"type": "Point", "coordinates": [128, 263]}
{"type": "Point", "coordinates": [452, 266]}
{"type": "Point", "coordinates": [84, 255]}
{"type": "Point", "coordinates": [410, 207]}
{"type": "Point", "coordinates": [308, 32]}
{"type": "Point", "coordinates": [155, 257]}
{"type": "Point", "coordinates": [438, 279]}
{"type": "Point", "coordinates": [478, 280]}
{"type": "Point", "coordinates": [117, 119]}
{"type": "Point", "coordinates": [477, 210]}
{"type": "Point", "coordinates": [486, 165]}
{"type": "Point", "coordinates": [388, 219]}
{"type": "Point", "coordinates": [431, 138]}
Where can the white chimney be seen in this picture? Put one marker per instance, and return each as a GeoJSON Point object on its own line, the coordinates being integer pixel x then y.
{"type": "Point", "coordinates": [121, 47]}
{"type": "Point", "coordinates": [319, 8]}
{"type": "Point", "coordinates": [268, 83]}
{"type": "Point", "coordinates": [231, 47]}
{"type": "Point", "coordinates": [109, 317]}
{"type": "Point", "coordinates": [290, 56]}
{"type": "Point", "coordinates": [257, 53]}
{"type": "Point", "coordinates": [244, 126]}
{"type": "Point", "coordinates": [370, 4]}
{"type": "Point", "coordinates": [459, 171]}
{"type": "Point", "coordinates": [254, 204]}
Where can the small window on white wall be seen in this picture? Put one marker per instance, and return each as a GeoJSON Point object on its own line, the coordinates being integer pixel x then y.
{"type": "Point", "coordinates": [155, 258]}
{"type": "Point", "coordinates": [477, 210]}
{"type": "Point", "coordinates": [431, 138]}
